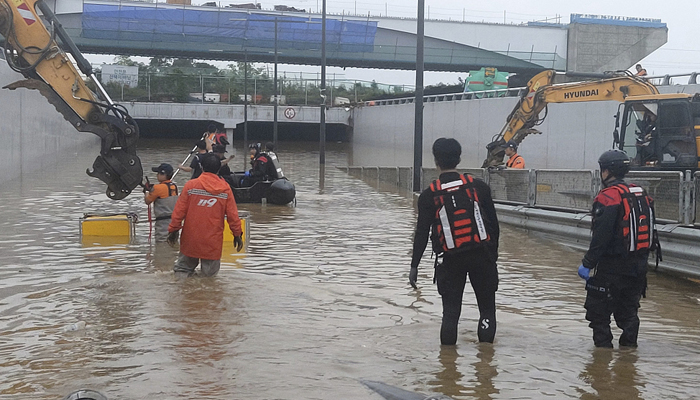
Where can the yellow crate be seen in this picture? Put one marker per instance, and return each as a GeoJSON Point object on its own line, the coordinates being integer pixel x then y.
{"type": "Point", "coordinates": [228, 236]}
{"type": "Point", "coordinates": [117, 225]}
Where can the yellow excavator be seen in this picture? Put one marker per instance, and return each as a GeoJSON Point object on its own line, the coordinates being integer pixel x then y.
{"type": "Point", "coordinates": [658, 131]}
{"type": "Point", "coordinates": [33, 51]}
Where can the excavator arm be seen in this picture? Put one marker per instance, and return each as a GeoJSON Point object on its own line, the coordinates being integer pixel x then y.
{"type": "Point", "coordinates": [33, 51]}
{"type": "Point", "coordinates": [542, 91]}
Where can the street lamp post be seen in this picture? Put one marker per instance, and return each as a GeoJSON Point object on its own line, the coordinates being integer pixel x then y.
{"type": "Point", "coordinates": [245, 110]}
{"type": "Point", "coordinates": [322, 139]}
{"type": "Point", "coordinates": [277, 101]}
{"type": "Point", "coordinates": [418, 129]}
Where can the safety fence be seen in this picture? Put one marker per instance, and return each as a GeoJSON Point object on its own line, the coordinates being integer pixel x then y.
{"type": "Point", "coordinates": [675, 194]}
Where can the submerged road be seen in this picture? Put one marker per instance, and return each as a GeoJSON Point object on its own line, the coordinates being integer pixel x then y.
{"type": "Point", "coordinates": [321, 303]}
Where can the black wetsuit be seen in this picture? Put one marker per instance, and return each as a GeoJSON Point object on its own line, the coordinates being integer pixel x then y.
{"type": "Point", "coordinates": [196, 167]}
{"type": "Point", "coordinates": [620, 276]}
{"type": "Point", "coordinates": [258, 172]}
{"type": "Point", "coordinates": [451, 273]}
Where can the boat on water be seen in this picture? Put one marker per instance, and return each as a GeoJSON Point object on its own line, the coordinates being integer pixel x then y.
{"type": "Point", "coordinates": [280, 191]}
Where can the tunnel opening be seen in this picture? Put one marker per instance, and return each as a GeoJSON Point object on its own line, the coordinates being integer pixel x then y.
{"type": "Point", "coordinates": [258, 131]}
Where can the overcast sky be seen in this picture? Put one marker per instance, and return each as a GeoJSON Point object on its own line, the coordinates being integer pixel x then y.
{"type": "Point", "coordinates": [680, 55]}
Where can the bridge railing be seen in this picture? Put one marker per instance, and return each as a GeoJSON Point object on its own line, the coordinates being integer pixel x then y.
{"type": "Point", "coordinates": [675, 194]}
{"type": "Point", "coordinates": [659, 80]}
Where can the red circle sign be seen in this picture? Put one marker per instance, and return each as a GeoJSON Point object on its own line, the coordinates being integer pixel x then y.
{"type": "Point", "coordinates": [290, 113]}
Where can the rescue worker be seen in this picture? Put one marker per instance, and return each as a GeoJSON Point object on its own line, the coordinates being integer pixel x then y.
{"type": "Point", "coordinates": [615, 265]}
{"type": "Point", "coordinates": [515, 160]}
{"type": "Point", "coordinates": [258, 170]}
{"type": "Point", "coordinates": [203, 204]}
{"type": "Point", "coordinates": [640, 71]}
{"type": "Point", "coordinates": [215, 136]}
{"type": "Point", "coordinates": [163, 195]}
{"type": "Point", "coordinates": [459, 212]}
{"type": "Point", "coordinates": [195, 166]}
{"type": "Point", "coordinates": [274, 170]}
{"type": "Point", "coordinates": [220, 151]}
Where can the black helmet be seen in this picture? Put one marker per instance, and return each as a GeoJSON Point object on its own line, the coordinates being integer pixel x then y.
{"type": "Point", "coordinates": [255, 146]}
{"type": "Point", "coordinates": [615, 161]}
{"type": "Point", "coordinates": [512, 145]}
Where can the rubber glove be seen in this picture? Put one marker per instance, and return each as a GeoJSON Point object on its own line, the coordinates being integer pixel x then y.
{"type": "Point", "coordinates": [172, 238]}
{"type": "Point", "coordinates": [413, 277]}
{"type": "Point", "coordinates": [247, 173]}
{"type": "Point", "coordinates": [583, 272]}
{"type": "Point", "coordinates": [238, 242]}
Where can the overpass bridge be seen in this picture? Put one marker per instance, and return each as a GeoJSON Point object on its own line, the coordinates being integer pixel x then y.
{"type": "Point", "coordinates": [587, 44]}
{"type": "Point", "coordinates": [178, 120]}
{"type": "Point", "coordinates": [230, 115]}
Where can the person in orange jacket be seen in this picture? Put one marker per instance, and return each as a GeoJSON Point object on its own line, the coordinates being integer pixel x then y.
{"type": "Point", "coordinates": [163, 195]}
{"type": "Point", "coordinates": [515, 160]}
{"type": "Point", "coordinates": [203, 204]}
{"type": "Point", "coordinates": [640, 70]}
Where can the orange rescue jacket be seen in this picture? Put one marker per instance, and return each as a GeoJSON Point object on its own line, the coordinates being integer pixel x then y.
{"type": "Point", "coordinates": [516, 161]}
{"type": "Point", "coordinates": [203, 204]}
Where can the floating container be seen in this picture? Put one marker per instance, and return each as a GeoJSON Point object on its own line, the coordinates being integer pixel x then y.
{"type": "Point", "coordinates": [118, 226]}
{"type": "Point", "coordinates": [228, 248]}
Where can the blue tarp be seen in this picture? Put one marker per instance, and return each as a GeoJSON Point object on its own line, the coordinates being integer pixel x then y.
{"type": "Point", "coordinates": [185, 25]}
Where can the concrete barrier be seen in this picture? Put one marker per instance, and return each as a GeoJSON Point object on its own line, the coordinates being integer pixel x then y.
{"type": "Point", "coordinates": [680, 245]}
{"type": "Point", "coordinates": [34, 135]}
{"type": "Point", "coordinates": [554, 203]}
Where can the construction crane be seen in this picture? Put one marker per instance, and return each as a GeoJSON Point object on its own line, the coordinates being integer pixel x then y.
{"type": "Point", "coordinates": [40, 55]}
{"type": "Point", "coordinates": [656, 130]}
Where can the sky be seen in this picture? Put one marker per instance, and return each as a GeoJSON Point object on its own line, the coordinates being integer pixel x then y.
{"type": "Point", "coordinates": [681, 54]}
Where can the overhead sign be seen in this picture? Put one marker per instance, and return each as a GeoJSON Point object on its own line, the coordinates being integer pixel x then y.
{"type": "Point", "coordinates": [122, 74]}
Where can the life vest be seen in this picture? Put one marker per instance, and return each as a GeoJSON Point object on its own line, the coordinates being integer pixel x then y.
{"type": "Point", "coordinates": [459, 224]}
{"type": "Point", "coordinates": [274, 171]}
{"type": "Point", "coordinates": [512, 161]}
{"type": "Point", "coordinates": [218, 138]}
{"type": "Point", "coordinates": [636, 222]}
{"type": "Point", "coordinates": [221, 138]}
{"type": "Point", "coordinates": [163, 207]}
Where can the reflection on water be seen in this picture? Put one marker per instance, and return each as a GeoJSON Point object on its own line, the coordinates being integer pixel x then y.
{"type": "Point", "coordinates": [321, 301]}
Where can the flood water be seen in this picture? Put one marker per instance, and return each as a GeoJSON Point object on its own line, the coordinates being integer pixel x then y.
{"type": "Point", "coordinates": [320, 302]}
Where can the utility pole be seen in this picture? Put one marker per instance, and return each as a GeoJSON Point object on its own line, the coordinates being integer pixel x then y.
{"type": "Point", "coordinates": [418, 129]}
{"type": "Point", "coordinates": [245, 110]}
{"type": "Point", "coordinates": [322, 139]}
{"type": "Point", "coordinates": [277, 101]}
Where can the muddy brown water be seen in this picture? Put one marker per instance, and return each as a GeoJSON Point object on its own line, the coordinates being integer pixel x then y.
{"type": "Point", "coordinates": [320, 302]}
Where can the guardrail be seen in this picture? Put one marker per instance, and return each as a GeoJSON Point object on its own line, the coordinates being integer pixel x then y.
{"type": "Point", "coordinates": [556, 203]}
{"type": "Point", "coordinates": [675, 193]}
{"type": "Point", "coordinates": [660, 80]}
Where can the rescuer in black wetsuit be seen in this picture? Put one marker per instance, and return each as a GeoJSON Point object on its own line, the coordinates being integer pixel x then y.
{"type": "Point", "coordinates": [459, 212]}
{"type": "Point", "coordinates": [622, 235]}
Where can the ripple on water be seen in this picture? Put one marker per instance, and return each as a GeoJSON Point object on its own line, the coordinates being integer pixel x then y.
{"type": "Point", "coordinates": [320, 301]}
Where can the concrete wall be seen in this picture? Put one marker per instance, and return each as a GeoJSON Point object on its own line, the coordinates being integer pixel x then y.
{"type": "Point", "coordinates": [573, 135]}
{"type": "Point", "coordinates": [33, 134]}
{"type": "Point", "coordinates": [599, 48]}
{"type": "Point", "coordinates": [232, 114]}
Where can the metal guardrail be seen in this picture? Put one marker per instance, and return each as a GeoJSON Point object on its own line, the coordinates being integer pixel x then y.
{"type": "Point", "coordinates": [512, 185]}
{"type": "Point", "coordinates": [675, 193]}
{"type": "Point", "coordinates": [567, 189]}
{"type": "Point", "coordinates": [511, 92]}
{"type": "Point", "coordinates": [660, 80]}
{"type": "Point", "coordinates": [667, 190]}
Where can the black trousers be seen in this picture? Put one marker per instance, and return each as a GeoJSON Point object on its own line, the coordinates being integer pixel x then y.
{"type": "Point", "coordinates": [451, 277]}
{"type": "Point", "coordinates": [618, 295]}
